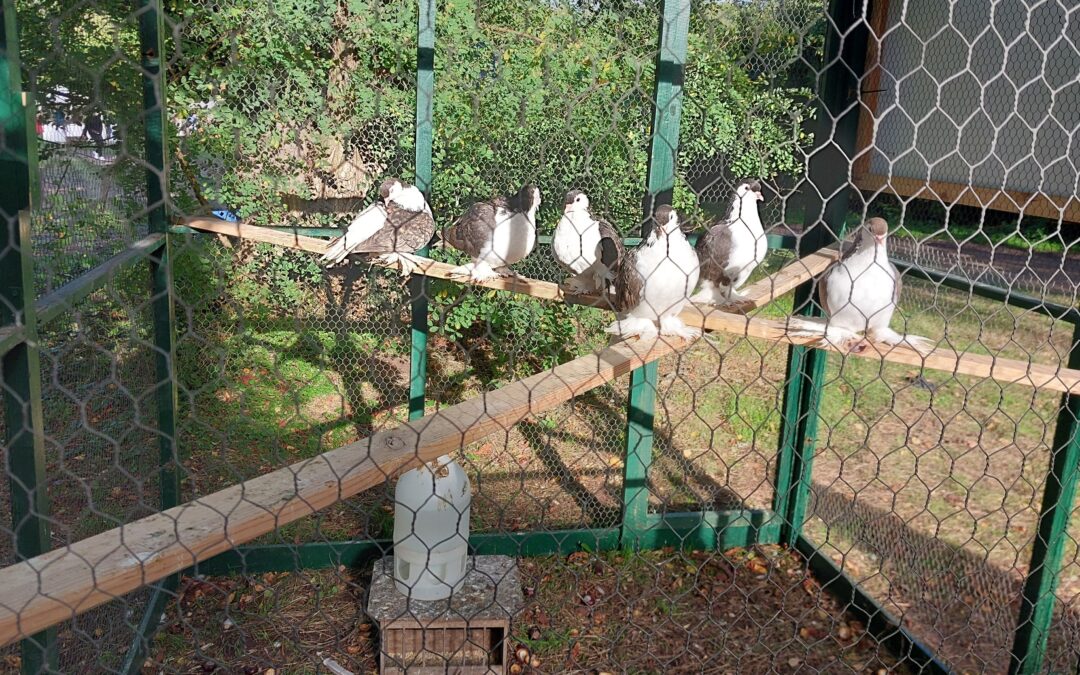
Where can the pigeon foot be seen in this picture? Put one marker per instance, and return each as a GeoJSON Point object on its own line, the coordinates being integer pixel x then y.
{"type": "Point", "coordinates": [477, 272]}
{"type": "Point", "coordinates": [673, 326]}
{"type": "Point", "coordinates": [406, 263]}
{"type": "Point", "coordinates": [632, 327]}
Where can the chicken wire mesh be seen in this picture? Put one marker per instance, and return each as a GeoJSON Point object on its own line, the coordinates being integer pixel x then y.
{"type": "Point", "coordinates": [924, 486]}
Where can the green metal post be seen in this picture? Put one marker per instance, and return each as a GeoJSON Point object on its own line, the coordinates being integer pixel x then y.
{"type": "Point", "coordinates": [674, 29]}
{"type": "Point", "coordinates": [155, 119]}
{"type": "Point", "coordinates": [152, 45]}
{"type": "Point", "coordinates": [425, 93]}
{"type": "Point", "coordinates": [640, 413]}
{"type": "Point", "coordinates": [24, 439]}
{"type": "Point", "coordinates": [826, 211]}
{"type": "Point", "coordinates": [1044, 571]}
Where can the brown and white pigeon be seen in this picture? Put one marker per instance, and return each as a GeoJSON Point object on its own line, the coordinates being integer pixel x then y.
{"type": "Point", "coordinates": [495, 234]}
{"type": "Point", "coordinates": [393, 229]}
{"type": "Point", "coordinates": [587, 247]}
{"type": "Point", "coordinates": [654, 282]}
{"type": "Point", "coordinates": [859, 294]}
{"type": "Point", "coordinates": [731, 250]}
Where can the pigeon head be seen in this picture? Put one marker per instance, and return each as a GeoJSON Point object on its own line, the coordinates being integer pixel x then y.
{"type": "Point", "coordinates": [527, 198]}
{"type": "Point", "coordinates": [576, 201]}
{"type": "Point", "coordinates": [749, 189]}
{"type": "Point", "coordinates": [667, 220]}
{"type": "Point", "coordinates": [390, 188]}
{"type": "Point", "coordinates": [875, 230]}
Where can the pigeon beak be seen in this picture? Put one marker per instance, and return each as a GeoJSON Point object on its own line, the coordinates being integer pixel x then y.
{"type": "Point", "coordinates": [879, 238]}
{"type": "Point", "coordinates": [760, 198]}
{"type": "Point", "coordinates": [568, 208]}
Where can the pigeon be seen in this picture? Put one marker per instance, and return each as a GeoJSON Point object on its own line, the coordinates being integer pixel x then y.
{"type": "Point", "coordinates": [654, 282]}
{"type": "Point", "coordinates": [588, 248]}
{"type": "Point", "coordinates": [394, 228]}
{"type": "Point", "coordinates": [730, 250]}
{"type": "Point", "coordinates": [496, 233]}
{"type": "Point", "coordinates": [859, 294]}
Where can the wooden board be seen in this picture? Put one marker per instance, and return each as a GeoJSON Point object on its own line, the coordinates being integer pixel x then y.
{"type": "Point", "coordinates": [53, 587]}
{"type": "Point", "coordinates": [1008, 371]}
{"type": "Point", "coordinates": [760, 293]}
{"type": "Point", "coordinates": [1015, 201]}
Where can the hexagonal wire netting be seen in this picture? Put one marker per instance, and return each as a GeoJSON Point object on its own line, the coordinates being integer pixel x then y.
{"type": "Point", "coordinates": [747, 506]}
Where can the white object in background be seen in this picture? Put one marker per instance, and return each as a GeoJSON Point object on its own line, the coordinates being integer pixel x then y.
{"type": "Point", "coordinates": [431, 530]}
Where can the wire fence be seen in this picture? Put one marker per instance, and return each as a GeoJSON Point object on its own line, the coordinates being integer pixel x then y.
{"type": "Point", "coordinates": [751, 501]}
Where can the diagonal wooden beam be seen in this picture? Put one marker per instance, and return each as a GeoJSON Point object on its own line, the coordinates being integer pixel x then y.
{"type": "Point", "coordinates": [58, 585]}
{"type": "Point", "coordinates": [1008, 371]}
{"type": "Point", "coordinates": [758, 294]}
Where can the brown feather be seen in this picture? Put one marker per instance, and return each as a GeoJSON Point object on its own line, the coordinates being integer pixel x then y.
{"type": "Point", "coordinates": [628, 283]}
{"type": "Point", "coordinates": [405, 231]}
{"type": "Point", "coordinates": [611, 246]}
{"type": "Point", "coordinates": [475, 227]}
{"type": "Point", "coordinates": [714, 249]}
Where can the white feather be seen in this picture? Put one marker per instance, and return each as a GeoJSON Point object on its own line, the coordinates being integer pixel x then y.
{"type": "Point", "coordinates": [575, 241]}
{"type": "Point", "coordinates": [513, 239]}
{"type": "Point", "coordinates": [410, 198]}
{"type": "Point", "coordinates": [363, 227]}
{"type": "Point", "coordinates": [748, 242]}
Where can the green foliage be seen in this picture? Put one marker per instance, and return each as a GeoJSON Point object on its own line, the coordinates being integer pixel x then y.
{"type": "Point", "coordinates": [544, 334]}
{"type": "Point", "coordinates": [557, 93]}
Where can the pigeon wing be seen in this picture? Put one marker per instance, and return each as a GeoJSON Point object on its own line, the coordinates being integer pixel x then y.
{"type": "Point", "coordinates": [405, 231]}
{"type": "Point", "coordinates": [473, 230]}
{"type": "Point", "coordinates": [823, 290]}
{"type": "Point", "coordinates": [364, 227]}
{"type": "Point", "coordinates": [610, 249]}
{"type": "Point", "coordinates": [714, 252]}
{"type": "Point", "coordinates": [898, 285]}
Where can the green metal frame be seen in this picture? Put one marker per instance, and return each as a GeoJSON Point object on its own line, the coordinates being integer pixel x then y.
{"type": "Point", "coordinates": [1044, 568]}
{"type": "Point", "coordinates": [846, 43]}
{"type": "Point", "coordinates": [660, 181]}
{"type": "Point", "coordinates": [21, 367]}
{"type": "Point", "coordinates": [151, 17]}
{"type": "Point", "coordinates": [425, 131]}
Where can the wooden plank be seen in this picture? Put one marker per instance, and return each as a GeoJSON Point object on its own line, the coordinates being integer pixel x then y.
{"type": "Point", "coordinates": [256, 233]}
{"type": "Point", "coordinates": [871, 87]}
{"type": "Point", "coordinates": [1009, 371]}
{"type": "Point", "coordinates": [1065, 207]}
{"type": "Point", "coordinates": [9, 337]}
{"type": "Point", "coordinates": [53, 587]}
{"type": "Point", "coordinates": [787, 279]}
{"type": "Point", "coordinates": [760, 293]}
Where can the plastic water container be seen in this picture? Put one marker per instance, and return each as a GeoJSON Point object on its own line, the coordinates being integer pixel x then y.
{"type": "Point", "coordinates": [431, 530]}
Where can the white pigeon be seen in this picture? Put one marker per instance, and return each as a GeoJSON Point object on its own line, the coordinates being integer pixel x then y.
{"type": "Point", "coordinates": [859, 294]}
{"type": "Point", "coordinates": [732, 249]}
{"type": "Point", "coordinates": [496, 234]}
{"type": "Point", "coordinates": [589, 248]}
{"type": "Point", "coordinates": [654, 282]}
{"type": "Point", "coordinates": [393, 229]}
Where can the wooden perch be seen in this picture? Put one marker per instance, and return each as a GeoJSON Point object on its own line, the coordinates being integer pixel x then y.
{"type": "Point", "coordinates": [1008, 371]}
{"type": "Point", "coordinates": [759, 294]}
{"type": "Point", "coordinates": [56, 586]}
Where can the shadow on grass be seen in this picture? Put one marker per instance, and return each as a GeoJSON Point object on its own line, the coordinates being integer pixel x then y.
{"type": "Point", "coordinates": [954, 600]}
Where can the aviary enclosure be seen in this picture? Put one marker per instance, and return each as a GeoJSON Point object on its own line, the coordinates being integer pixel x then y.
{"type": "Point", "coordinates": [203, 426]}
